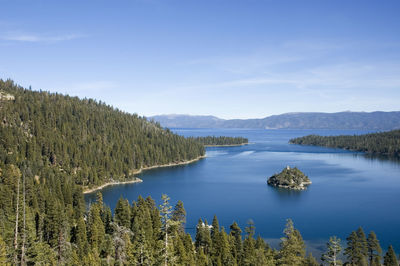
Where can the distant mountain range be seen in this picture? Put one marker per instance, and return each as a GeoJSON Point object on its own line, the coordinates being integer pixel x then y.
{"type": "Point", "coordinates": [340, 120]}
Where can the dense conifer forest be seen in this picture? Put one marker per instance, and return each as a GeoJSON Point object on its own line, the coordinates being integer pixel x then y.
{"type": "Point", "coordinates": [384, 143]}
{"type": "Point", "coordinates": [221, 140]}
{"type": "Point", "coordinates": [86, 140]}
{"type": "Point", "coordinates": [52, 146]}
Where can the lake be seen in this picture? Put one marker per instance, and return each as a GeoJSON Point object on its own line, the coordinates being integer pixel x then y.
{"type": "Point", "coordinates": [348, 190]}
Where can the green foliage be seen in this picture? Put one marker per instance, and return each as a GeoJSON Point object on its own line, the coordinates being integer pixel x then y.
{"type": "Point", "coordinates": [292, 246]}
{"type": "Point", "coordinates": [291, 178]}
{"type": "Point", "coordinates": [374, 249]}
{"type": "Point", "coordinates": [179, 216]}
{"type": "Point", "coordinates": [3, 252]}
{"type": "Point", "coordinates": [333, 252]}
{"type": "Point", "coordinates": [384, 143]}
{"type": "Point", "coordinates": [390, 258]}
{"type": "Point", "coordinates": [88, 140]}
{"type": "Point", "coordinates": [220, 141]}
{"type": "Point", "coordinates": [52, 146]}
{"type": "Point", "coordinates": [357, 248]}
{"type": "Point", "coordinates": [311, 261]}
{"type": "Point", "coordinates": [236, 241]}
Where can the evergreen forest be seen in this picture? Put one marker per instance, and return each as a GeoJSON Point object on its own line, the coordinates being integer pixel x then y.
{"type": "Point", "coordinates": [220, 141]}
{"type": "Point", "coordinates": [53, 146]}
{"type": "Point", "coordinates": [383, 143]}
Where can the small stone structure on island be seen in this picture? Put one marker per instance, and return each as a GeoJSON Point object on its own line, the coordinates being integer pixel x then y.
{"type": "Point", "coordinates": [290, 178]}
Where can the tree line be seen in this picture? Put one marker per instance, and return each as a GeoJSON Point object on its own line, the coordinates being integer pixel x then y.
{"type": "Point", "coordinates": [383, 143]}
{"type": "Point", "coordinates": [220, 141]}
{"type": "Point", "coordinates": [141, 233]}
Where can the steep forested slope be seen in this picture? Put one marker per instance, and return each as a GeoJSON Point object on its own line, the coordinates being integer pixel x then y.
{"type": "Point", "coordinates": [51, 146]}
{"type": "Point", "coordinates": [88, 140]}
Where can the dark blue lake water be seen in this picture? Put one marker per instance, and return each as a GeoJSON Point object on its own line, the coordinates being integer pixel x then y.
{"type": "Point", "coordinates": [349, 190]}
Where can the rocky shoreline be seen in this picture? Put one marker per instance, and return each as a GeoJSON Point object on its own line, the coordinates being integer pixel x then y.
{"type": "Point", "coordinates": [290, 178]}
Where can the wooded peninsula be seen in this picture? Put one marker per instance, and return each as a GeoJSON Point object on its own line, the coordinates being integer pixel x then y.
{"type": "Point", "coordinates": [210, 141]}
{"type": "Point", "coordinates": [383, 143]}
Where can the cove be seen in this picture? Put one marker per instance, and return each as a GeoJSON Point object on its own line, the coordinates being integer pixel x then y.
{"type": "Point", "coordinates": [348, 188]}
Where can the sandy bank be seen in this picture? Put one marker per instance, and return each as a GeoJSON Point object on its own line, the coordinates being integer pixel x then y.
{"type": "Point", "coordinates": [138, 180]}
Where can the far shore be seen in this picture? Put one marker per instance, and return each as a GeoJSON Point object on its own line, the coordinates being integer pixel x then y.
{"type": "Point", "coordinates": [227, 145]}
{"type": "Point", "coordinates": [138, 180]}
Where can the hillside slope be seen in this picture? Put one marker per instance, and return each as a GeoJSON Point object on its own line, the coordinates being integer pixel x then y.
{"type": "Point", "coordinates": [88, 140]}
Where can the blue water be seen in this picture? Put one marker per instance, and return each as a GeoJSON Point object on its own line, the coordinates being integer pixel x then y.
{"type": "Point", "coordinates": [348, 190]}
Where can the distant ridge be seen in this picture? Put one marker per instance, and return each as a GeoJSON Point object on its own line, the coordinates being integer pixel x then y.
{"type": "Point", "coordinates": [313, 120]}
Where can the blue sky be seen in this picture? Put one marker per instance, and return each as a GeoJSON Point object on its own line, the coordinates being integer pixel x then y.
{"type": "Point", "coordinates": [232, 59]}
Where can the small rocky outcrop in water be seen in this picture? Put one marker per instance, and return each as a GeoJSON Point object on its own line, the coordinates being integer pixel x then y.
{"type": "Point", "coordinates": [291, 178]}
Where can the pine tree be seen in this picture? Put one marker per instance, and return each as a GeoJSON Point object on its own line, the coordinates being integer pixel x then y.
{"type": "Point", "coordinates": [96, 230]}
{"type": "Point", "coordinates": [216, 241]}
{"type": "Point", "coordinates": [390, 258]}
{"type": "Point", "coordinates": [249, 249]}
{"type": "Point", "coordinates": [81, 238]}
{"type": "Point", "coordinates": [236, 233]}
{"type": "Point", "coordinates": [42, 254]}
{"type": "Point", "coordinates": [374, 249]}
{"type": "Point", "coordinates": [203, 237]}
{"type": "Point", "coordinates": [225, 249]}
{"type": "Point", "coordinates": [121, 243]}
{"type": "Point", "coordinates": [292, 246]}
{"type": "Point", "coordinates": [311, 261]}
{"type": "Point", "coordinates": [122, 213]}
{"type": "Point", "coordinates": [201, 258]}
{"type": "Point", "coordinates": [362, 240]}
{"type": "Point", "coordinates": [165, 211]}
{"type": "Point", "coordinates": [357, 249]}
{"type": "Point", "coordinates": [333, 251]}
{"type": "Point", "coordinates": [3, 252]}
{"type": "Point", "coordinates": [179, 215]}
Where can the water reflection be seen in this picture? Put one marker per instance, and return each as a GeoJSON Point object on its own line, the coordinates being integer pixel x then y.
{"type": "Point", "coordinates": [284, 194]}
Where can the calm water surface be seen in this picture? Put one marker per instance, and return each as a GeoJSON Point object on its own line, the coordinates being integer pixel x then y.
{"type": "Point", "coordinates": [348, 190]}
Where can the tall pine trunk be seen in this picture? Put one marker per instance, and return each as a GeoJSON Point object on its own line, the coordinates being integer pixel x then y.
{"type": "Point", "coordinates": [16, 227]}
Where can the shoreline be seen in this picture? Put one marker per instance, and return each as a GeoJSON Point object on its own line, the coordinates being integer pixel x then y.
{"type": "Point", "coordinates": [112, 183]}
{"type": "Point", "coordinates": [227, 145]}
{"type": "Point", "coordinates": [138, 180]}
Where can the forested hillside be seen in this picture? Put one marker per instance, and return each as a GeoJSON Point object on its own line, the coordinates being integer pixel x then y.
{"type": "Point", "coordinates": [384, 143]}
{"type": "Point", "coordinates": [51, 146]}
{"type": "Point", "coordinates": [87, 140]}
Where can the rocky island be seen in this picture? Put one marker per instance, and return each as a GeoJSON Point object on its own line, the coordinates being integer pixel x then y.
{"type": "Point", "coordinates": [290, 178]}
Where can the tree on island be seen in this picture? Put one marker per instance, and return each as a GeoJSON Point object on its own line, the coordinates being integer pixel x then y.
{"type": "Point", "coordinates": [291, 178]}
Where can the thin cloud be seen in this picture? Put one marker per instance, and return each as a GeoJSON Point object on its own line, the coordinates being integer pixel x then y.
{"type": "Point", "coordinates": [35, 38]}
